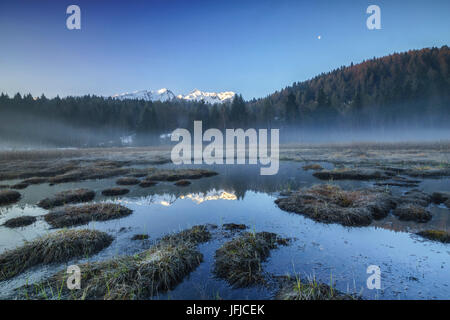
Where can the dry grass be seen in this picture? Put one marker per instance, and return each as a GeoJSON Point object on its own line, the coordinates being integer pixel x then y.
{"type": "Point", "coordinates": [436, 235]}
{"type": "Point", "coordinates": [35, 180]}
{"type": "Point", "coordinates": [239, 260]}
{"type": "Point", "coordinates": [180, 174]}
{"type": "Point", "coordinates": [293, 288]}
{"type": "Point", "coordinates": [9, 196]}
{"type": "Point", "coordinates": [440, 197]}
{"type": "Point", "coordinates": [141, 276]}
{"type": "Point", "coordinates": [182, 183]}
{"type": "Point", "coordinates": [331, 204]}
{"type": "Point", "coordinates": [127, 181]}
{"type": "Point", "coordinates": [56, 247]}
{"type": "Point", "coordinates": [412, 212]}
{"type": "Point", "coordinates": [89, 173]}
{"type": "Point", "coordinates": [147, 183]}
{"type": "Point", "coordinates": [196, 234]}
{"type": "Point", "coordinates": [46, 154]}
{"type": "Point", "coordinates": [313, 166]}
{"type": "Point", "coordinates": [78, 215]}
{"type": "Point", "coordinates": [353, 174]}
{"type": "Point", "coordinates": [234, 226]}
{"type": "Point", "coordinates": [31, 169]}
{"type": "Point", "coordinates": [20, 222]}
{"type": "Point", "coordinates": [65, 197]}
{"type": "Point", "coordinates": [20, 186]}
{"type": "Point", "coordinates": [115, 192]}
{"type": "Point", "coordinates": [140, 237]}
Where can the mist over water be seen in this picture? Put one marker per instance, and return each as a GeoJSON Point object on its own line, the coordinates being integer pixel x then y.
{"type": "Point", "coordinates": [43, 134]}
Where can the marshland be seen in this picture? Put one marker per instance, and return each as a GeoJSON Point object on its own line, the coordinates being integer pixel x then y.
{"type": "Point", "coordinates": [140, 227]}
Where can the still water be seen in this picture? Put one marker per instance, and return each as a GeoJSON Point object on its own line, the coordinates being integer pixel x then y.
{"type": "Point", "coordinates": [411, 267]}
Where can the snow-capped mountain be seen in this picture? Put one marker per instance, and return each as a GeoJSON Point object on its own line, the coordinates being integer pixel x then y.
{"type": "Point", "coordinates": [148, 95]}
{"type": "Point", "coordinates": [208, 97]}
{"type": "Point", "coordinates": [166, 95]}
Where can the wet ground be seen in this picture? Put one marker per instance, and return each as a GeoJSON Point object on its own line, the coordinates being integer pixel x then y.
{"type": "Point", "coordinates": [411, 267]}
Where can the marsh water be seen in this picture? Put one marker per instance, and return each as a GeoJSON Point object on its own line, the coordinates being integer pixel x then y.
{"type": "Point", "coordinates": [411, 267]}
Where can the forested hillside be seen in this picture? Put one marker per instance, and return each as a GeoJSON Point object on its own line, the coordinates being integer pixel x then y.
{"type": "Point", "coordinates": [409, 89]}
{"type": "Point", "coordinates": [411, 86]}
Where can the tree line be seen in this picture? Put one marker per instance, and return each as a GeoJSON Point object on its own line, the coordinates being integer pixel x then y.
{"type": "Point", "coordinates": [410, 88]}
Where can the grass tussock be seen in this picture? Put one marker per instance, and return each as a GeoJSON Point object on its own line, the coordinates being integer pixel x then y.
{"type": "Point", "coordinates": [65, 197]}
{"type": "Point", "coordinates": [127, 181]}
{"type": "Point", "coordinates": [312, 166]}
{"type": "Point", "coordinates": [147, 183]}
{"type": "Point", "coordinates": [234, 226]}
{"type": "Point", "coordinates": [79, 215]}
{"type": "Point", "coordinates": [412, 212]}
{"type": "Point", "coordinates": [115, 192]}
{"type": "Point", "coordinates": [8, 196]}
{"type": "Point", "coordinates": [140, 237]}
{"type": "Point", "coordinates": [182, 183]}
{"type": "Point", "coordinates": [20, 222]}
{"type": "Point", "coordinates": [440, 197]}
{"type": "Point", "coordinates": [35, 180]}
{"type": "Point", "coordinates": [56, 247]}
{"type": "Point", "coordinates": [20, 186]}
{"type": "Point", "coordinates": [141, 276]}
{"type": "Point", "coordinates": [331, 204]}
{"type": "Point", "coordinates": [239, 260]}
{"type": "Point", "coordinates": [30, 169]}
{"type": "Point", "coordinates": [353, 174]}
{"type": "Point", "coordinates": [435, 235]}
{"type": "Point", "coordinates": [427, 171]}
{"type": "Point", "coordinates": [180, 174]}
{"type": "Point", "coordinates": [196, 234]}
{"type": "Point", "coordinates": [293, 288]}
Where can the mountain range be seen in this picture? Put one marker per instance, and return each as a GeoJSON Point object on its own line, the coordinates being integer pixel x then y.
{"type": "Point", "coordinates": [164, 95]}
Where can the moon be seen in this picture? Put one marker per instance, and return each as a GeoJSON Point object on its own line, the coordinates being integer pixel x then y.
{"type": "Point", "coordinates": [319, 37]}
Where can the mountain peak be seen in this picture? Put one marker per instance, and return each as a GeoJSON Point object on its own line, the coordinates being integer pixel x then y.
{"type": "Point", "coordinates": [165, 94]}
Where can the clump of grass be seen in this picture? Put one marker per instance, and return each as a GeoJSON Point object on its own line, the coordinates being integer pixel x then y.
{"type": "Point", "coordinates": [435, 235]}
{"type": "Point", "coordinates": [293, 288]}
{"type": "Point", "coordinates": [182, 183]}
{"type": "Point", "coordinates": [147, 183]}
{"type": "Point", "coordinates": [128, 181]}
{"type": "Point", "coordinates": [60, 246]}
{"type": "Point", "coordinates": [78, 215]}
{"type": "Point", "coordinates": [239, 260]}
{"type": "Point", "coordinates": [65, 197]}
{"type": "Point", "coordinates": [20, 186]}
{"type": "Point", "coordinates": [115, 192]}
{"type": "Point", "coordinates": [196, 234]}
{"type": "Point", "coordinates": [20, 222]}
{"type": "Point", "coordinates": [429, 171]}
{"type": "Point", "coordinates": [141, 276]}
{"type": "Point", "coordinates": [313, 166]}
{"type": "Point", "coordinates": [35, 180]}
{"type": "Point", "coordinates": [234, 226]}
{"type": "Point", "coordinates": [27, 169]}
{"type": "Point", "coordinates": [412, 212]}
{"type": "Point", "coordinates": [352, 174]}
{"type": "Point", "coordinates": [140, 237]}
{"type": "Point", "coordinates": [175, 175]}
{"type": "Point", "coordinates": [330, 204]}
{"type": "Point", "coordinates": [440, 197]}
{"type": "Point", "coordinates": [9, 196]}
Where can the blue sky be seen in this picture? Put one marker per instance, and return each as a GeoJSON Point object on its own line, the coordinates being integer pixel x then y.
{"type": "Point", "coordinates": [251, 47]}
